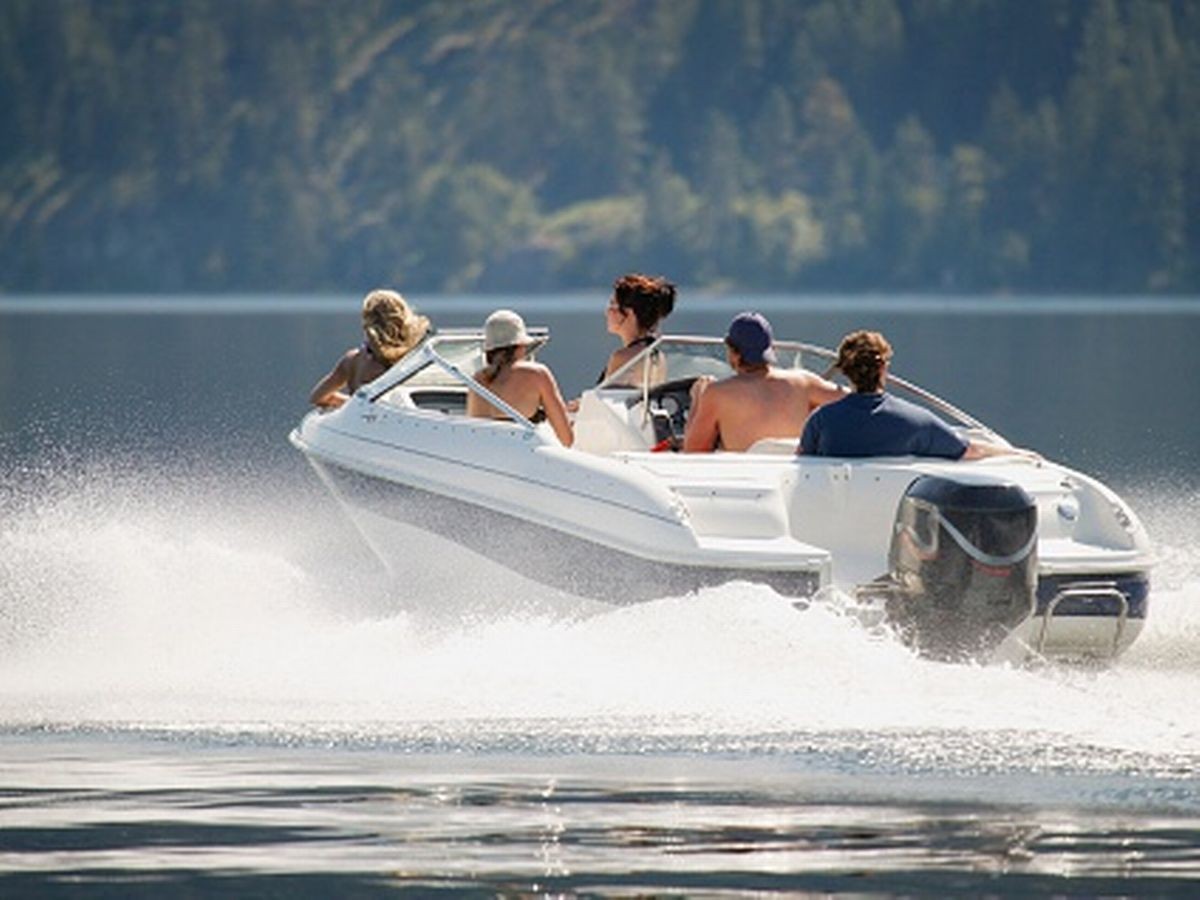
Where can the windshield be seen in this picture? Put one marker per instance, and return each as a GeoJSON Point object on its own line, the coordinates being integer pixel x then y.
{"type": "Point", "coordinates": [462, 350]}
{"type": "Point", "coordinates": [671, 359]}
{"type": "Point", "coordinates": [674, 358]}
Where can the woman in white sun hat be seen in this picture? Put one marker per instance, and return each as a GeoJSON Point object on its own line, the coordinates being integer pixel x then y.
{"type": "Point", "coordinates": [523, 384]}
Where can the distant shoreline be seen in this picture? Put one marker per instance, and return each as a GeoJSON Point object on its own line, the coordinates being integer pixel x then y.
{"type": "Point", "coordinates": [585, 301]}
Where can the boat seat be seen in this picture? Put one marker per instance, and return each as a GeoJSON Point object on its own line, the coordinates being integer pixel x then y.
{"type": "Point", "coordinates": [774, 446]}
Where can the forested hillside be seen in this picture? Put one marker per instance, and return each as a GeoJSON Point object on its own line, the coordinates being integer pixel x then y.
{"type": "Point", "coordinates": [967, 145]}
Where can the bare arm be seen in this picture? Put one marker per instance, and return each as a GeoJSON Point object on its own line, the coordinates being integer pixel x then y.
{"type": "Point", "coordinates": [703, 429]}
{"type": "Point", "coordinates": [556, 409]}
{"type": "Point", "coordinates": [822, 391]}
{"type": "Point", "coordinates": [328, 392]}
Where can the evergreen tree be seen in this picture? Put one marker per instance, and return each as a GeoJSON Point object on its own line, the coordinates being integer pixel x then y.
{"type": "Point", "coordinates": [315, 144]}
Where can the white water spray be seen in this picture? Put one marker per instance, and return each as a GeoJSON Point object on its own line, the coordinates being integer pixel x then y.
{"type": "Point", "coordinates": [135, 602]}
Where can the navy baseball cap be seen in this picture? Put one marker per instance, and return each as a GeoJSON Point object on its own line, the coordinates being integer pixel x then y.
{"type": "Point", "coordinates": [750, 335]}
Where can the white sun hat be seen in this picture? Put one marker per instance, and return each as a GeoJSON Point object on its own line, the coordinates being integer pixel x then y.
{"type": "Point", "coordinates": [504, 328]}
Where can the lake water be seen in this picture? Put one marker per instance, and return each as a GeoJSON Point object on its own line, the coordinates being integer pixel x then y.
{"type": "Point", "coordinates": [208, 686]}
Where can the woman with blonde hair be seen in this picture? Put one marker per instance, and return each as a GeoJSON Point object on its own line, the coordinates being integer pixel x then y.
{"type": "Point", "coordinates": [391, 328]}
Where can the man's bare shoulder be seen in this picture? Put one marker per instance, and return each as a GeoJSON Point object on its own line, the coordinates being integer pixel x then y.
{"type": "Point", "coordinates": [801, 377]}
{"type": "Point", "coordinates": [728, 387]}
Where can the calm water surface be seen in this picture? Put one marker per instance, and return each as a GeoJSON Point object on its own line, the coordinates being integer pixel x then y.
{"type": "Point", "coordinates": [208, 686]}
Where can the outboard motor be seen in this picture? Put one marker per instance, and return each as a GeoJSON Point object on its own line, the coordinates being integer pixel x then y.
{"type": "Point", "coordinates": [962, 565]}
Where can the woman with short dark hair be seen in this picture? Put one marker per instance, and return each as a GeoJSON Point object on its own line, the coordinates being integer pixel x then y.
{"type": "Point", "coordinates": [638, 305]}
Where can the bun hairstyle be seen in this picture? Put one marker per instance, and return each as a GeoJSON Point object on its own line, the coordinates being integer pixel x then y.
{"type": "Point", "coordinates": [650, 297]}
{"type": "Point", "coordinates": [392, 326]}
{"type": "Point", "coordinates": [861, 357]}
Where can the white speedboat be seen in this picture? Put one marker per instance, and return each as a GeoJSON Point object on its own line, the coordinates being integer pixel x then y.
{"type": "Point", "coordinates": [1005, 556]}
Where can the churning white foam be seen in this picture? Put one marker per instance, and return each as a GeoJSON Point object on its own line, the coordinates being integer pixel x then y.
{"type": "Point", "coordinates": [187, 602]}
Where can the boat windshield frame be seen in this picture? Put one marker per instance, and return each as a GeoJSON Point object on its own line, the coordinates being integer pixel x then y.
{"type": "Point", "coordinates": [791, 355]}
{"type": "Point", "coordinates": [426, 354]}
{"type": "Point", "coordinates": [799, 352]}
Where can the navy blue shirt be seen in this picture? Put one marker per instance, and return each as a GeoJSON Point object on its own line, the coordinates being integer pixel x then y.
{"type": "Point", "coordinates": [878, 425]}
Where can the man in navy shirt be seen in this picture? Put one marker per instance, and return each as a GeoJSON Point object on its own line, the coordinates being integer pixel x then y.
{"type": "Point", "coordinates": [870, 422]}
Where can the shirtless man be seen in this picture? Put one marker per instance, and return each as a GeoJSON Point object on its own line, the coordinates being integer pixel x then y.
{"type": "Point", "coordinates": [758, 401]}
{"type": "Point", "coordinates": [523, 384]}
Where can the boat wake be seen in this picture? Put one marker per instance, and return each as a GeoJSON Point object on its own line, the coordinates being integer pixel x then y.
{"type": "Point", "coordinates": [198, 606]}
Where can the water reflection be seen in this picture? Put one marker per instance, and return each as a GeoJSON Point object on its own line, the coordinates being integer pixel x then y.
{"type": "Point", "coordinates": [320, 822]}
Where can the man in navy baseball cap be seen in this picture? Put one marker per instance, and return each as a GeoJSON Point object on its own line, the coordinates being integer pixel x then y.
{"type": "Point", "coordinates": [751, 336]}
{"type": "Point", "coordinates": [757, 402]}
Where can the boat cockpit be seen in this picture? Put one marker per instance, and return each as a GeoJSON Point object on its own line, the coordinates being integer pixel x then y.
{"type": "Point", "coordinates": [643, 406]}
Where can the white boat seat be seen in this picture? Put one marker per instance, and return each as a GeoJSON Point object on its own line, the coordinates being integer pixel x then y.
{"type": "Point", "coordinates": [774, 446]}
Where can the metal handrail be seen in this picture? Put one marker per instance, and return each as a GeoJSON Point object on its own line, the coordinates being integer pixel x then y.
{"type": "Point", "coordinates": [472, 385]}
{"type": "Point", "coordinates": [933, 400]}
{"type": "Point", "coordinates": [428, 353]}
{"type": "Point", "coordinates": [415, 359]}
{"type": "Point", "coordinates": [642, 358]}
{"type": "Point", "coordinates": [1083, 590]}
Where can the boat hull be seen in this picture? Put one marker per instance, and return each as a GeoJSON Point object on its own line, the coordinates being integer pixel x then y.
{"type": "Point", "coordinates": [627, 526]}
{"type": "Point", "coordinates": [1100, 621]}
{"type": "Point", "coordinates": [538, 552]}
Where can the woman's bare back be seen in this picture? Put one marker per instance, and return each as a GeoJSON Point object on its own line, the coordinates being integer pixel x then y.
{"type": "Point", "coordinates": [526, 387]}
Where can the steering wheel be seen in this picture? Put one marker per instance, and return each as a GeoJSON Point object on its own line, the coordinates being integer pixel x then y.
{"type": "Point", "coordinates": [668, 404]}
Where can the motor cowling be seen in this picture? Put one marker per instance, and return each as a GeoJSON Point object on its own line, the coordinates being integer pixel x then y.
{"type": "Point", "coordinates": [962, 565]}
